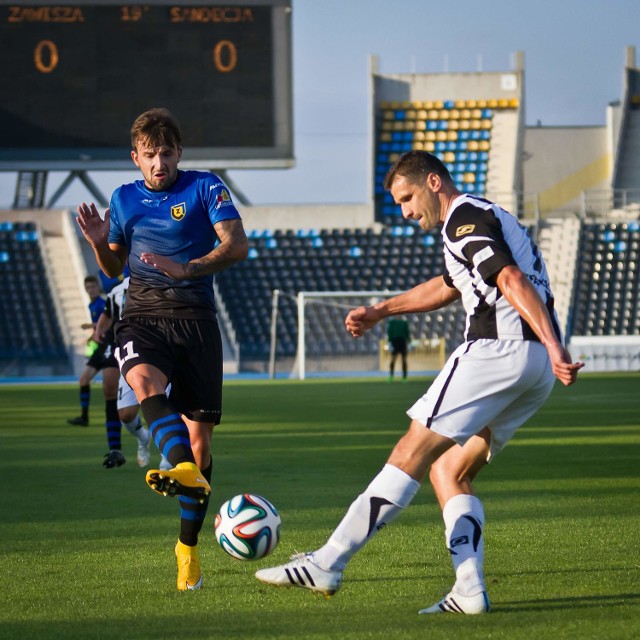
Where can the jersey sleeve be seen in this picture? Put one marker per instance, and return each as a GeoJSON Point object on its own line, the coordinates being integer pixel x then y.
{"type": "Point", "coordinates": [475, 235]}
{"type": "Point", "coordinates": [218, 200]}
{"type": "Point", "coordinates": [116, 234]}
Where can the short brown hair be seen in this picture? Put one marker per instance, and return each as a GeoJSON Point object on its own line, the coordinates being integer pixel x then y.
{"type": "Point", "coordinates": [415, 166]}
{"type": "Point", "coordinates": [156, 127]}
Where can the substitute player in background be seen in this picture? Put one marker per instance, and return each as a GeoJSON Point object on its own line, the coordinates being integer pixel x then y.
{"type": "Point", "coordinates": [491, 384]}
{"type": "Point", "coordinates": [176, 229]}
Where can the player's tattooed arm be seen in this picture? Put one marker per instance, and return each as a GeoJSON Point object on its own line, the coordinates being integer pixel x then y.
{"type": "Point", "coordinates": [233, 247]}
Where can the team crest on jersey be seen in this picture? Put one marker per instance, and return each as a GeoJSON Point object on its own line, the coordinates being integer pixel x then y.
{"type": "Point", "coordinates": [179, 211]}
{"type": "Point", "coordinates": [464, 229]}
{"type": "Point", "coordinates": [223, 198]}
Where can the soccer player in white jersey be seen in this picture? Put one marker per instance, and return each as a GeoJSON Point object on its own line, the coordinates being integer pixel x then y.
{"type": "Point", "coordinates": [491, 384]}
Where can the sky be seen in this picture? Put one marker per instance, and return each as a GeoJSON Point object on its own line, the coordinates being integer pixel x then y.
{"type": "Point", "coordinates": [574, 61]}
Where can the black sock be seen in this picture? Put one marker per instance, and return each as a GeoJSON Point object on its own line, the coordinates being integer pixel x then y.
{"type": "Point", "coordinates": [192, 513]}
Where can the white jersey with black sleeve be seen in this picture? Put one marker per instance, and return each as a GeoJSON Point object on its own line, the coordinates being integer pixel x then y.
{"type": "Point", "coordinates": [114, 303]}
{"type": "Point", "coordinates": [480, 238]}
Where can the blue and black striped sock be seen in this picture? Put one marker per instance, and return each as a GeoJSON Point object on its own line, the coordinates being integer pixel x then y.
{"type": "Point", "coordinates": [167, 429]}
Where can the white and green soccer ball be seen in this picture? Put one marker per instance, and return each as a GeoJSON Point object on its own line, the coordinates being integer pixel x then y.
{"type": "Point", "coordinates": [247, 527]}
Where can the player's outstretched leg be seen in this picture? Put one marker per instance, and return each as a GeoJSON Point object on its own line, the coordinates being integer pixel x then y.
{"type": "Point", "coordinates": [302, 572]}
{"type": "Point", "coordinates": [382, 501]}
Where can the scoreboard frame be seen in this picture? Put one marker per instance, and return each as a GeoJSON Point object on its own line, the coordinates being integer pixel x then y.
{"type": "Point", "coordinates": [76, 74]}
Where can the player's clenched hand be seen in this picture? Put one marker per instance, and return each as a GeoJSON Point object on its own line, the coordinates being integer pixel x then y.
{"type": "Point", "coordinates": [93, 227]}
{"type": "Point", "coordinates": [360, 320]}
{"type": "Point", "coordinates": [564, 369]}
{"type": "Point", "coordinates": [171, 268]}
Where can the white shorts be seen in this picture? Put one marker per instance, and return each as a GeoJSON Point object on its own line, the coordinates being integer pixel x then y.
{"type": "Point", "coordinates": [486, 383]}
{"type": "Point", "coordinates": [126, 396]}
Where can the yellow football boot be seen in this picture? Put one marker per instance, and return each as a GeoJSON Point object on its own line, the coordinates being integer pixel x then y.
{"type": "Point", "coordinates": [185, 479]}
{"type": "Point", "coordinates": [189, 574]}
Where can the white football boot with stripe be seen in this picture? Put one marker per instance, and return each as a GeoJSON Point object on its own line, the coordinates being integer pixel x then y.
{"type": "Point", "coordinates": [455, 603]}
{"type": "Point", "coordinates": [302, 572]}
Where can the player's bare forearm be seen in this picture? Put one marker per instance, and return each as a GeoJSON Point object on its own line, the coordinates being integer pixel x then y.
{"type": "Point", "coordinates": [428, 296]}
{"type": "Point", "coordinates": [522, 295]}
{"type": "Point", "coordinates": [233, 247]}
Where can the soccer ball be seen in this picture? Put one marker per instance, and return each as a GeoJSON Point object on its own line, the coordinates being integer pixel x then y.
{"type": "Point", "coordinates": [247, 527]}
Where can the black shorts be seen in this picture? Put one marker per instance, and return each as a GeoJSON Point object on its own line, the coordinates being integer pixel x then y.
{"type": "Point", "coordinates": [399, 346]}
{"type": "Point", "coordinates": [188, 352]}
{"type": "Point", "coordinates": [102, 358]}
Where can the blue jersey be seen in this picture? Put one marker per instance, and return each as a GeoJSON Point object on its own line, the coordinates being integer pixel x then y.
{"type": "Point", "coordinates": [177, 223]}
{"type": "Point", "coordinates": [96, 307]}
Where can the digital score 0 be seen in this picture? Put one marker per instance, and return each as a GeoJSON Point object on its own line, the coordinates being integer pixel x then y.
{"type": "Point", "coordinates": [80, 73]}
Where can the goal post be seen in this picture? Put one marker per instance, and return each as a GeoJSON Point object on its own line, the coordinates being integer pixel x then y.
{"type": "Point", "coordinates": [323, 345]}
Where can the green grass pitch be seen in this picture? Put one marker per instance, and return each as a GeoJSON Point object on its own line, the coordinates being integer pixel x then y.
{"type": "Point", "coordinates": [87, 553]}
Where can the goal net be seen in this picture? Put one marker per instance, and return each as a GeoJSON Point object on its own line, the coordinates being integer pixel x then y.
{"type": "Point", "coordinates": [311, 323]}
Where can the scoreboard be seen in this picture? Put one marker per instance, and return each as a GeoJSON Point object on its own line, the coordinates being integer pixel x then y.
{"type": "Point", "coordinates": [74, 76]}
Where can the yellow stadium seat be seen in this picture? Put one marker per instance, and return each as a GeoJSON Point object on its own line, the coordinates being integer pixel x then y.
{"type": "Point", "coordinates": [472, 104]}
{"type": "Point", "coordinates": [485, 124]}
{"type": "Point", "coordinates": [411, 114]}
{"type": "Point", "coordinates": [476, 114]}
{"type": "Point", "coordinates": [474, 124]}
{"type": "Point", "coordinates": [472, 145]}
{"type": "Point", "coordinates": [454, 114]}
{"type": "Point", "coordinates": [444, 114]}
{"type": "Point", "coordinates": [410, 125]}
{"type": "Point", "coordinates": [484, 145]}
{"type": "Point", "coordinates": [406, 104]}
{"type": "Point", "coordinates": [441, 136]}
{"type": "Point", "coordinates": [449, 156]}
{"type": "Point", "coordinates": [419, 135]}
{"type": "Point", "coordinates": [398, 125]}
{"type": "Point", "coordinates": [481, 104]}
{"type": "Point", "coordinates": [418, 146]}
{"type": "Point", "coordinates": [492, 104]}
{"type": "Point", "coordinates": [465, 114]}
{"type": "Point", "coordinates": [385, 137]}
{"type": "Point", "coordinates": [433, 114]}
{"type": "Point", "coordinates": [438, 104]}
{"type": "Point", "coordinates": [422, 114]}
{"type": "Point", "coordinates": [469, 177]}
{"type": "Point", "coordinates": [452, 136]}
{"type": "Point", "coordinates": [393, 157]}
{"type": "Point", "coordinates": [385, 104]}
{"type": "Point", "coordinates": [388, 115]}
{"type": "Point", "coordinates": [387, 126]}
{"type": "Point", "coordinates": [454, 124]}
{"type": "Point", "coordinates": [464, 124]}
{"type": "Point", "coordinates": [430, 135]}
{"type": "Point", "coordinates": [427, 104]}
{"type": "Point", "coordinates": [429, 146]}
{"type": "Point", "coordinates": [503, 103]}
{"type": "Point", "coordinates": [460, 104]}
{"type": "Point", "coordinates": [513, 103]}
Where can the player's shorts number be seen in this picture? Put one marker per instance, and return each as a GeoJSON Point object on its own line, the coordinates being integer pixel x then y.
{"type": "Point", "coordinates": [128, 353]}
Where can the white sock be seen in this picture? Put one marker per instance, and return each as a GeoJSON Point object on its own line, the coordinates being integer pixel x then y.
{"type": "Point", "coordinates": [382, 501]}
{"type": "Point", "coordinates": [136, 429]}
{"type": "Point", "coordinates": [464, 522]}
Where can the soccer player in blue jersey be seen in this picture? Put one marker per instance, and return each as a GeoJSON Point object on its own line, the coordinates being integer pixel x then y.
{"type": "Point", "coordinates": [176, 229]}
{"type": "Point", "coordinates": [490, 385]}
